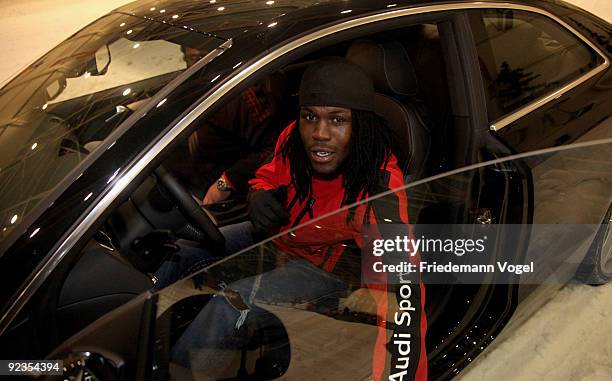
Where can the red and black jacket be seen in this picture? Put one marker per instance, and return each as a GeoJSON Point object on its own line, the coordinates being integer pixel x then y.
{"type": "Point", "coordinates": [324, 243]}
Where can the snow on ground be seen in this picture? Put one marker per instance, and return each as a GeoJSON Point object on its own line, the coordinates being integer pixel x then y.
{"type": "Point", "coordinates": [29, 28]}
{"type": "Point", "coordinates": [567, 339]}
{"type": "Point", "coordinates": [601, 8]}
{"type": "Point", "coordinates": [570, 338]}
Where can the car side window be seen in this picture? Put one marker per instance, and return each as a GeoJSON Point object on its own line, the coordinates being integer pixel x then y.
{"type": "Point", "coordinates": [524, 55]}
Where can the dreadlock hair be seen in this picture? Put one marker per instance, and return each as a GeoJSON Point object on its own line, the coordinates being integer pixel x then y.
{"type": "Point", "coordinates": [369, 150]}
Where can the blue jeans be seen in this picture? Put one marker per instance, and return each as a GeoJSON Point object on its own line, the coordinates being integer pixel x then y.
{"type": "Point", "coordinates": [224, 326]}
{"type": "Point", "coordinates": [190, 258]}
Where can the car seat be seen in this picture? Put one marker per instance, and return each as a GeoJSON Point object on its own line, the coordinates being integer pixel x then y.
{"type": "Point", "coordinates": [395, 83]}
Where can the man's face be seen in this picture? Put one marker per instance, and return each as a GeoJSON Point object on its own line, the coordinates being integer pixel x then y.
{"type": "Point", "coordinates": [326, 133]}
{"type": "Point", "coordinates": [192, 55]}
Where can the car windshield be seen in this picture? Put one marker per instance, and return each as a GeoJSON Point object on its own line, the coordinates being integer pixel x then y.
{"type": "Point", "coordinates": [64, 105]}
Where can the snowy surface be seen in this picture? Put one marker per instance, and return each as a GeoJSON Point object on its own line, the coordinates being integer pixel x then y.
{"type": "Point", "coordinates": [602, 8]}
{"type": "Point", "coordinates": [29, 28]}
{"type": "Point", "coordinates": [570, 338]}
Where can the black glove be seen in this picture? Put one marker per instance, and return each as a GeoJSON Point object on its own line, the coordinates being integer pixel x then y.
{"type": "Point", "coordinates": [267, 209]}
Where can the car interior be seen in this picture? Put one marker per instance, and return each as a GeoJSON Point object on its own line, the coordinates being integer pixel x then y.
{"type": "Point", "coordinates": [412, 94]}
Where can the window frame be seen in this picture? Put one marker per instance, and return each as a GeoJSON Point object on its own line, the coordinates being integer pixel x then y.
{"type": "Point", "coordinates": [511, 117]}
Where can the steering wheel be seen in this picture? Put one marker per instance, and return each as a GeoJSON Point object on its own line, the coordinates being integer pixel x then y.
{"type": "Point", "coordinates": [191, 209]}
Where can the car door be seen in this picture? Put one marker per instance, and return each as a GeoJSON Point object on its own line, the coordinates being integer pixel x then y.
{"type": "Point", "coordinates": [310, 339]}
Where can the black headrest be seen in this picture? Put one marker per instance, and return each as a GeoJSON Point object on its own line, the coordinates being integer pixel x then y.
{"type": "Point", "coordinates": [387, 63]}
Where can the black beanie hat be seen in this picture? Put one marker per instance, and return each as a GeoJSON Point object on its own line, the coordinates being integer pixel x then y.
{"type": "Point", "coordinates": [336, 82]}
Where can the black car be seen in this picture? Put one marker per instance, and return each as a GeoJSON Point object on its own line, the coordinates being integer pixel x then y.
{"type": "Point", "coordinates": [501, 111]}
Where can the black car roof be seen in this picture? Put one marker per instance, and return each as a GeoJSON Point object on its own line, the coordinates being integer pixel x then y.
{"type": "Point", "coordinates": [231, 18]}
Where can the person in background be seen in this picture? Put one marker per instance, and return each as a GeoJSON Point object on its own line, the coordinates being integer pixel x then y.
{"type": "Point", "coordinates": [221, 156]}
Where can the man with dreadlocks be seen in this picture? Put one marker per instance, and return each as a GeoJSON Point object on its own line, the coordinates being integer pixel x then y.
{"type": "Point", "coordinates": [335, 155]}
